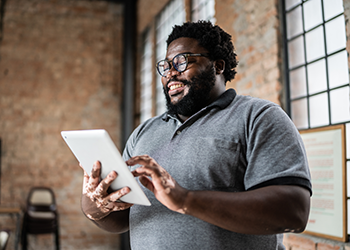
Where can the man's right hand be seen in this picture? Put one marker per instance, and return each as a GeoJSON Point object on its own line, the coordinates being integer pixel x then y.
{"type": "Point", "coordinates": [96, 203]}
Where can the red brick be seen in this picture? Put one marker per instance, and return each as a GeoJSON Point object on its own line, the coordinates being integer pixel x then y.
{"type": "Point", "coordinates": [297, 242]}
{"type": "Point", "coordinates": [325, 246]}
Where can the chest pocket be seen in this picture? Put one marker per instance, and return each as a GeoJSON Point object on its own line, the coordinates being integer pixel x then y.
{"type": "Point", "coordinates": [207, 163]}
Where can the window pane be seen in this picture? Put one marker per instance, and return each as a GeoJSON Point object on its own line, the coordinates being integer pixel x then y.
{"type": "Point", "coordinates": [312, 13]}
{"type": "Point", "coordinates": [340, 105]}
{"type": "Point", "coordinates": [314, 44]}
{"type": "Point", "coordinates": [317, 78]}
{"type": "Point", "coordinates": [294, 22]}
{"type": "Point", "coordinates": [338, 70]}
{"type": "Point", "coordinates": [348, 211]}
{"type": "Point", "coordinates": [348, 187]}
{"type": "Point", "coordinates": [332, 8]}
{"type": "Point", "coordinates": [203, 10]}
{"type": "Point", "coordinates": [291, 3]}
{"type": "Point", "coordinates": [195, 16]}
{"type": "Point", "coordinates": [297, 83]}
{"type": "Point", "coordinates": [296, 52]}
{"type": "Point", "coordinates": [299, 113]}
{"type": "Point", "coordinates": [146, 79]}
{"type": "Point", "coordinates": [348, 178]}
{"type": "Point", "coordinates": [347, 133]}
{"type": "Point", "coordinates": [335, 34]}
{"type": "Point", "coordinates": [319, 110]}
{"type": "Point", "coordinates": [160, 103]}
{"type": "Point", "coordinates": [211, 11]}
{"type": "Point", "coordinates": [173, 14]}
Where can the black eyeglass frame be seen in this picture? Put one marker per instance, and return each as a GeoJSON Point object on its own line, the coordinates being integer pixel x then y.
{"type": "Point", "coordinates": [186, 55]}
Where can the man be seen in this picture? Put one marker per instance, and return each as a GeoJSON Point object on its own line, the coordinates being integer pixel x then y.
{"type": "Point", "coordinates": [222, 171]}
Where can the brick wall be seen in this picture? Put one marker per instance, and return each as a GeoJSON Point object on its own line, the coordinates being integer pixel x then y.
{"type": "Point", "coordinates": [60, 69]}
{"type": "Point", "coordinates": [254, 27]}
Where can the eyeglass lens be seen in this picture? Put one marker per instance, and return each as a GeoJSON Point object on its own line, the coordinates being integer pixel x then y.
{"type": "Point", "coordinates": [179, 62]}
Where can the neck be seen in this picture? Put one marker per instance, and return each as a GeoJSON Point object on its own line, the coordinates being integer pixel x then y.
{"type": "Point", "coordinates": [182, 117]}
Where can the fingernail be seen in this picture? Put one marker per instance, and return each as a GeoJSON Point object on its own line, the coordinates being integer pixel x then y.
{"type": "Point", "coordinates": [125, 190]}
{"type": "Point", "coordinates": [95, 166]}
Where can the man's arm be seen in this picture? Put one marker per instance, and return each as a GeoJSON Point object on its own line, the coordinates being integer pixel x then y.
{"type": "Point", "coordinates": [116, 222]}
{"type": "Point", "coordinates": [267, 210]}
{"type": "Point", "coordinates": [103, 208]}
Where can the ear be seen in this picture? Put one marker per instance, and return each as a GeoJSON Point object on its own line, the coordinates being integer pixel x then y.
{"type": "Point", "coordinates": [219, 66]}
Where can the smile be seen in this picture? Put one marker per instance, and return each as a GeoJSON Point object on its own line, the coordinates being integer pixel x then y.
{"type": "Point", "coordinates": [176, 86]}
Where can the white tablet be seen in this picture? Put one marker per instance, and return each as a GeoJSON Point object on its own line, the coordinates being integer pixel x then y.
{"type": "Point", "coordinates": [89, 146]}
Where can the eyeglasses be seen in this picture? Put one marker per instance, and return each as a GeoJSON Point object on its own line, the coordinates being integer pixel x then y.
{"type": "Point", "coordinates": [179, 62]}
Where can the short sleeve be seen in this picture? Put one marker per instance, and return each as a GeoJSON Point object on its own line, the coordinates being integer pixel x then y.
{"type": "Point", "coordinates": [275, 151]}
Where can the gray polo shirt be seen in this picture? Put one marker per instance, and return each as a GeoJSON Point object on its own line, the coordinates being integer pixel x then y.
{"type": "Point", "coordinates": [235, 144]}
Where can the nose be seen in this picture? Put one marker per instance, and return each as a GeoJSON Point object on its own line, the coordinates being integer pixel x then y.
{"type": "Point", "coordinates": [172, 72]}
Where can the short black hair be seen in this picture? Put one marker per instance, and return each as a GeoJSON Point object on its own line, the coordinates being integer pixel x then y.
{"type": "Point", "coordinates": [212, 38]}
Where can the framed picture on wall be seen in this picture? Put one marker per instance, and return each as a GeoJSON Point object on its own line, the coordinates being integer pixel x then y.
{"type": "Point", "coordinates": [325, 149]}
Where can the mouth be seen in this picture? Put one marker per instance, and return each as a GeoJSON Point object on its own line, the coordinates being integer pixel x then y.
{"type": "Point", "coordinates": [175, 88]}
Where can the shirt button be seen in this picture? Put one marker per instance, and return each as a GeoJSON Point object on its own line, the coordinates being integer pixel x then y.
{"type": "Point", "coordinates": [178, 132]}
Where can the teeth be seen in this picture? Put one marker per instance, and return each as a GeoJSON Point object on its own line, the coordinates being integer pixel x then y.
{"type": "Point", "coordinates": [175, 86]}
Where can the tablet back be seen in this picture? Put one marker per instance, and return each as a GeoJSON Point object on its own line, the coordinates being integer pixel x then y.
{"type": "Point", "coordinates": [89, 146]}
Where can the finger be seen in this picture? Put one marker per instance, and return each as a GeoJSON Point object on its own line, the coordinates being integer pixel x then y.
{"type": "Point", "coordinates": [122, 206]}
{"type": "Point", "coordinates": [105, 183]}
{"type": "Point", "coordinates": [146, 182]}
{"type": "Point", "coordinates": [161, 179]}
{"type": "Point", "coordinates": [147, 170]}
{"type": "Point", "coordinates": [158, 181]}
{"type": "Point", "coordinates": [81, 166]}
{"type": "Point", "coordinates": [85, 182]}
{"type": "Point", "coordinates": [95, 174]}
{"type": "Point", "coordinates": [118, 194]}
{"type": "Point", "coordinates": [142, 160]}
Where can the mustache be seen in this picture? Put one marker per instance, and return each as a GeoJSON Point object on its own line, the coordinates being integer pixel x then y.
{"type": "Point", "coordinates": [174, 79]}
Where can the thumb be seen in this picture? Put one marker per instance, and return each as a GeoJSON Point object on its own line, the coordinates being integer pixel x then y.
{"type": "Point", "coordinates": [146, 182]}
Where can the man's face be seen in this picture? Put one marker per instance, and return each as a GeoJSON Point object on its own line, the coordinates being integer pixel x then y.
{"type": "Point", "coordinates": [189, 91]}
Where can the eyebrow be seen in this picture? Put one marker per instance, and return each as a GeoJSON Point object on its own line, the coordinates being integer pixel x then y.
{"type": "Point", "coordinates": [179, 54]}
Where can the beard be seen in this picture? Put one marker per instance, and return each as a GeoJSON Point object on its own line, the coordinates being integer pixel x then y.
{"type": "Point", "coordinates": [198, 96]}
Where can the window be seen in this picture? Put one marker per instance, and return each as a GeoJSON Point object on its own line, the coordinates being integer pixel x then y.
{"type": "Point", "coordinates": [203, 10]}
{"type": "Point", "coordinates": [146, 78]}
{"type": "Point", "coordinates": [173, 14]}
{"type": "Point", "coordinates": [317, 62]}
{"type": "Point", "coordinates": [317, 68]}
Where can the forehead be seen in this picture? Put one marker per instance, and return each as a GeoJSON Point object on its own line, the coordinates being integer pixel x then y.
{"type": "Point", "coordinates": [184, 45]}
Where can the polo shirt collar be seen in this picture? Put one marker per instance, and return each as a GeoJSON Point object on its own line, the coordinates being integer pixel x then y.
{"type": "Point", "coordinates": [222, 102]}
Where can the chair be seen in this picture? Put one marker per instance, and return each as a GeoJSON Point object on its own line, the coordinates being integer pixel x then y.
{"type": "Point", "coordinates": [4, 238]}
{"type": "Point", "coordinates": [41, 216]}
